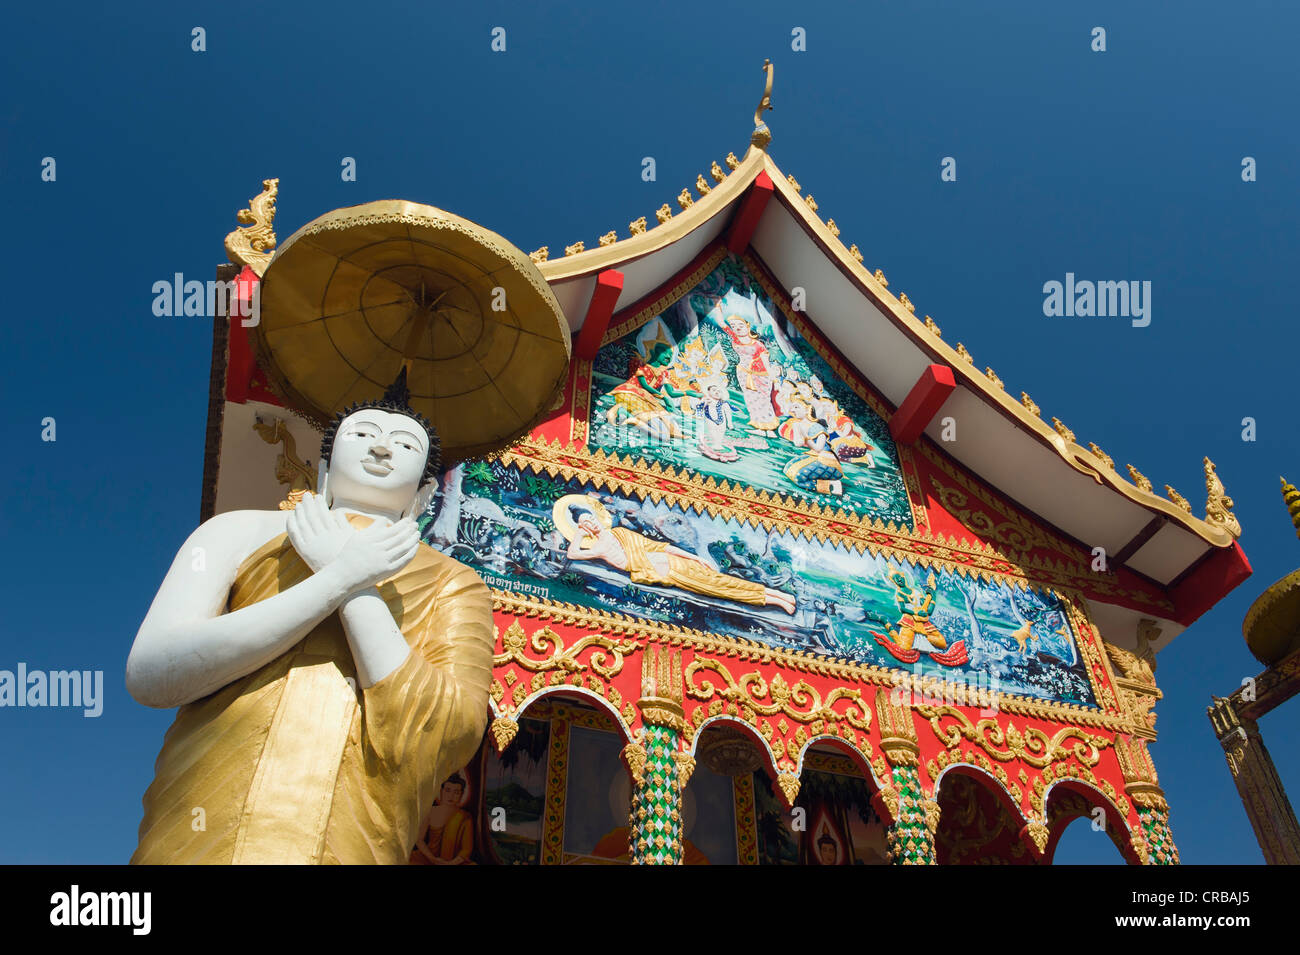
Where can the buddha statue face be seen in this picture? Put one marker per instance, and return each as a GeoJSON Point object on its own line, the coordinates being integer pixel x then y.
{"type": "Point", "coordinates": [378, 459]}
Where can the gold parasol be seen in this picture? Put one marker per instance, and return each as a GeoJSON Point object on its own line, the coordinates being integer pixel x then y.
{"type": "Point", "coordinates": [356, 294]}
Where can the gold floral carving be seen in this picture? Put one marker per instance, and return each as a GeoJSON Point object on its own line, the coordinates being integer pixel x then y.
{"type": "Point", "coordinates": [1015, 533]}
{"type": "Point", "coordinates": [800, 702]}
{"type": "Point", "coordinates": [789, 784]}
{"type": "Point", "coordinates": [685, 763]}
{"type": "Point", "coordinates": [503, 731]}
{"type": "Point", "coordinates": [1218, 506]}
{"type": "Point", "coordinates": [1039, 833]}
{"type": "Point", "coordinates": [635, 756]}
{"type": "Point", "coordinates": [574, 249]}
{"type": "Point", "coordinates": [931, 809]}
{"type": "Point", "coordinates": [663, 213]}
{"type": "Point", "coordinates": [1105, 458]}
{"type": "Point", "coordinates": [702, 187]}
{"type": "Point", "coordinates": [540, 255]}
{"type": "Point", "coordinates": [684, 199]}
{"type": "Point", "coordinates": [251, 245]}
{"type": "Point", "coordinates": [609, 238]}
{"type": "Point", "coordinates": [1030, 745]}
{"type": "Point", "coordinates": [606, 659]}
{"type": "Point", "coordinates": [637, 226]}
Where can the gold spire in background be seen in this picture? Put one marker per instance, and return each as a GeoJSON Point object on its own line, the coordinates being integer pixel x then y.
{"type": "Point", "coordinates": [1291, 497]}
{"type": "Point", "coordinates": [762, 135]}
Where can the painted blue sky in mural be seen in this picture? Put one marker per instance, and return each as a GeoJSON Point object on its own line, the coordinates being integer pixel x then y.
{"type": "Point", "coordinates": [722, 383]}
{"type": "Point", "coordinates": [542, 536]}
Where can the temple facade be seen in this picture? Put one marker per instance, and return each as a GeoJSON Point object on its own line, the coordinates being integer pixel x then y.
{"type": "Point", "coordinates": [783, 576]}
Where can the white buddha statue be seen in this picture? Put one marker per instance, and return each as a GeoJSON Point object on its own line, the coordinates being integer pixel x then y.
{"type": "Point", "coordinates": [331, 669]}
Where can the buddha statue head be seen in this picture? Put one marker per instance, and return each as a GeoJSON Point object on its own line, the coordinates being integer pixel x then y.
{"type": "Point", "coordinates": [380, 455]}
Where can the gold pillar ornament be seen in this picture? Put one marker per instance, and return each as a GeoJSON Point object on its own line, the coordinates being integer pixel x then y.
{"type": "Point", "coordinates": [1258, 784]}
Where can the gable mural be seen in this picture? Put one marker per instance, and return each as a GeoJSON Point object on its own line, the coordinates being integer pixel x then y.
{"type": "Point", "coordinates": [564, 540]}
{"type": "Point", "coordinates": [721, 383]}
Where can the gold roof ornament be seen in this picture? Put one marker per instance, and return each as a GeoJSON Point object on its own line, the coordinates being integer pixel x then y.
{"type": "Point", "coordinates": [663, 213]}
{"type": "Point", "coordinates": [880, 277]}
{"type": "Point", "coordinates": [965, 355]}
{"type": "Point", "coordinates": [1028, 402]}
{"type": "Point", "coordinates": [1178, 499]}
{"type": "Point", "coordinates": [684, 199]}
{"type": "Point", "coordinates": [609, 238]}
{"type": "Point", "coordinates": [540, 255]}
{"type": "Point", "coordinates": [252, 244]}
{"type": "Point", "coordinates": [702, 187]}
{"type": "Point", "coordinates": [732, 162]}
{"type": "Point", "coordinates": [575, 248]}
{"type": "Point", "coordinates": [761, 135]}
{"type": "Point", "coordinates": [359, 293]}
{"type": "Point", "coordinates": [1291, 498]}
{"type": "Point", "coordinates": [1106, 459]}
{"type": "Point", "coordinates": [636, 226]}
{"type": "Point", "coordinates": [934, 328]}
{"type": "Point", "coordinates": [1140, 479]}
{"type": "Point", "coordinates": [1062, 429]}
{"type": "Point", "coordinates": [716, 172]}
{"type": "Point", "coordinates": [1218, 506]}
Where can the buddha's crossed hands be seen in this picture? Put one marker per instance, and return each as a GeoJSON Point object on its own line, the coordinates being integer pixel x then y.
{"type": "Point", "coordinates": [364, 558]}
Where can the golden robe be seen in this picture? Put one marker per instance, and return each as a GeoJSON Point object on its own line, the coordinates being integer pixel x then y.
{"type": "Point", "coordinates": [683, 572]}
{"type": "Point", "coordinates": [290, 764]}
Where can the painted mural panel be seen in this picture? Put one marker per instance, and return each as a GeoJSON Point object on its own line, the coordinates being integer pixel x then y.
{"type": "Point", "coordinates": [563, 540]}
{"type": "Point", "coordinates": [723, 384]}
{"type": "Point", "coordinates": [839, 826]}
{"type": "Point", "coordinates": [599, 793]}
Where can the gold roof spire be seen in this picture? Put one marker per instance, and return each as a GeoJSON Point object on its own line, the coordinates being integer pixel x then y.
{"type": "Point", "coordinates": [762, 135]}
{"type": "Point", "coordinates": [1291, 497]}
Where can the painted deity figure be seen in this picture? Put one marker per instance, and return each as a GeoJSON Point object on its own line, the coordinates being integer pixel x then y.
{"type": "Point", "coordinates": [331, 669]}
{"type": "Point", "coordinates": [713, 420]}
{"type": "Point", "coordinates": [447, 836]}
{"type": "Point", "coordinates": [817, 469]}
{"type": "Point", "coordinates": [753, 373]}
{"type": "Point", "coordinates": [647, 399]}
{"type": "Point", "coordinates": [646, 561]}
{"type": "Point", "coordinates": [915, 605]}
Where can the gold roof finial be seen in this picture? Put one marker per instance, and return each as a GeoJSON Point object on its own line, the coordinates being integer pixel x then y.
{"type": "Point", "coordinates": [1291, 497]}
{"type": "Point", "coordinates": [762, 135]}
{"type": "Point", "coordinates": [1218, 506]}
{"type": "Point", "coordinates": [252, 245]}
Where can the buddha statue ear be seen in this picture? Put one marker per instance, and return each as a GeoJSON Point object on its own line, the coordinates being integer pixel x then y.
{"type": "Point", "coordinates": [420, 502]}
{"type": "Point", "coordinates": [322, 481]}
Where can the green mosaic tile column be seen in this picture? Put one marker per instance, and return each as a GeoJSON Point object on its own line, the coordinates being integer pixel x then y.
{"type": "Point", "coordinates": [910, 840]}
{"type": "Point", "coordinates": [656, 830]}
{"type": "Point", "coordinates": [1160, 841]}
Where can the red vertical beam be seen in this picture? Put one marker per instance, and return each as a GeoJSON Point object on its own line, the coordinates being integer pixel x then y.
{"type": "Point", "coordinates": [922, 403]}
{"type": "Point", "coordinates": [240, 365]}
{"type": "Point", "coordinates": [609, 286]}
{"type": "Point", "coordinates": [751, 210]}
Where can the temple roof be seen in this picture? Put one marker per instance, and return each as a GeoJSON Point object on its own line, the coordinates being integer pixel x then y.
{"type": "Point", "coordinates": [1041, 466]}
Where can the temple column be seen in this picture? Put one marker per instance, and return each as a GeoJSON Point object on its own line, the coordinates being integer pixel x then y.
{"type": "Point", "coordinates": [659, 770]}
{"type": "Point", "coordinates": [910, 837]}
{"type": "Point", "coordinates": [1258, 784]}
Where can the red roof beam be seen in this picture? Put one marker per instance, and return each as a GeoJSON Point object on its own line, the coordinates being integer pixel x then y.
{"type": "Point", "coordinates": [922, 403]}
{"type": "Point", "coordinates": [751, 210]}
{"type": "Point", "coordinates": [609, 286]}
{"type": "Point", "coordinates": [1208, 582]}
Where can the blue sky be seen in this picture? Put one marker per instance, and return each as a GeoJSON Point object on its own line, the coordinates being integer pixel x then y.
{"type": "Point", "coordinates": [1117, 165]}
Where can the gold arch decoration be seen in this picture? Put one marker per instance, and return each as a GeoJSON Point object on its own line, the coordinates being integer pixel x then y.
{"type": "Point", "coordinates": [1030, 745]}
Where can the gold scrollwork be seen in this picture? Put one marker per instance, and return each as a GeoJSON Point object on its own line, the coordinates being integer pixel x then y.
{"type": "Point", "coordinates": [800, 702]}
{"type": "Point", "coordinates": [1030, 745]}
{"type": "Point", "coordinates": [606, 659]}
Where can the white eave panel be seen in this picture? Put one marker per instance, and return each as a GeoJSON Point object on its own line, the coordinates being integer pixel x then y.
{"type": "Point", "coordinates": [1167, 554]}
